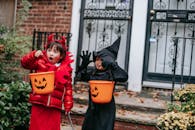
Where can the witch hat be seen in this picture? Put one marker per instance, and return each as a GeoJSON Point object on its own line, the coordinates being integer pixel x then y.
{"type": "Point", "coordinates": [109, 53]}
{"type": "Point", "coordinates": [114, 47]}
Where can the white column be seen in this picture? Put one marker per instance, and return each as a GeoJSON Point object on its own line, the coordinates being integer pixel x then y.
{"type": "Point", "coordinates": [137, 45]}
{"type": "Point", "coordinates": [75, 21]}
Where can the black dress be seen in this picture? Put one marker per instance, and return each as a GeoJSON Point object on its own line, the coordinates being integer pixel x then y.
{"type": "Point", "coordinates": [102, 116]}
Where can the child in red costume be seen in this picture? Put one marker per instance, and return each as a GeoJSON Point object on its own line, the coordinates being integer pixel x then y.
{"type": "Point", "coordinates": [46, 108]}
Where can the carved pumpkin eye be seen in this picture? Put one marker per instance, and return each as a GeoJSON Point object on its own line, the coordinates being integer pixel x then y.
{"type": "Point", "coordinates": [44, 79]}
{"type": "Point", "coordinates": [35, 80]}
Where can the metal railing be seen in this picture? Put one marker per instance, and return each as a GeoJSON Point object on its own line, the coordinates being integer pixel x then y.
{"type": "Point", "coordinates": [174, 61]}
{"type": "Point", "coordinates": [40, 38]}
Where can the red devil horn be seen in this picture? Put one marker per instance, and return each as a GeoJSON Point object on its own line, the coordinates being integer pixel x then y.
{"type": "Point", "coordinates": [63, 40]}
{"type": "Point", "coordinates": [50, 38]}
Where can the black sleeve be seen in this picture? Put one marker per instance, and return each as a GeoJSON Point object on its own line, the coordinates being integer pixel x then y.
{"type": "Point", "coordinates": [119, 75]}
{"type": "Point", "coordinates": [83, 74]}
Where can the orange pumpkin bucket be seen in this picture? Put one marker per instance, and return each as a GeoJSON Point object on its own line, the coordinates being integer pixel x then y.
{"type": "Point", "coordinates": [42, 83]}
{"type": "Point", "coordinates": [101, 90]}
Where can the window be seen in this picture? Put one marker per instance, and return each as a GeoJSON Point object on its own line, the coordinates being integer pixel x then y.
{"type": "Point", "coordinates": [7, 12]}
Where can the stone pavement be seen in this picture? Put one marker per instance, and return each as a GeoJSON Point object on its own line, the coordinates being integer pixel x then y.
{"type": "Point", "coordinates": [132, 107]}
{"type": "Point", "coordinates": [67, 127]}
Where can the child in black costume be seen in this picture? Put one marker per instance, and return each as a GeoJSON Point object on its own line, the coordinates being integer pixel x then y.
{"type": "Point", "coordinates": [101, 116]}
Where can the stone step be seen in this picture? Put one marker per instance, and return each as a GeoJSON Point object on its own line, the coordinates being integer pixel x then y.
{"type": "Point", "coordinates": [68, 127]}
{"type": "Point", "coordinates": [131, 118]}
{"type": "Point", "coordinates": [134, 110]}
{"type": "Point", "coordinates": [123, 115]}
{"type": "Point", "coordinates": [125, 101]}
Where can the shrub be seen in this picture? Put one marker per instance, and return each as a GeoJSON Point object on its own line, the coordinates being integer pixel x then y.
{"type": "Point", "coordinates": [14, 106]}
{"type": "Point", "coordinates": [176, 121]}
{"type": "Point", "coordinates": [181, 114]}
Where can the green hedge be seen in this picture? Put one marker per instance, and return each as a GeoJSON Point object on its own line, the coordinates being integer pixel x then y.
{"type": "Point", "coordinates": [14, 106]}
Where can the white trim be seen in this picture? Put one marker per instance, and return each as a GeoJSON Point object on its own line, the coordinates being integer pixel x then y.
{"type": "Point", "coordinates": [75, 21]}
{"type": "Point", "coordinates": [160, 85]}
{"type": "Point", "coordinates": [137, 45]}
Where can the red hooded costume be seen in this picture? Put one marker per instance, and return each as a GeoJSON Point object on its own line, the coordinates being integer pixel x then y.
{"type": "Point", "coordinates": [46, 108]}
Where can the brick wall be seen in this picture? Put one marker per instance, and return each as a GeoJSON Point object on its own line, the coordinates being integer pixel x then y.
{"type": "Point", "coordinates": [48, 15]}
{"type": "Point", "coordinates": [78, 120]}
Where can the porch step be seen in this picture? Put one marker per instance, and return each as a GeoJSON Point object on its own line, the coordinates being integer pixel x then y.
{"type": "Point", "coordinates": [129, 109]}
{"type": "Point", "coordinates": [132, 108]}
{"type": "Point", "coordinates": [133, 118]}
{"type": "Point", "coordinates": [126, 102]}
{"type": "Point", "coordinates": [122, 115]}
{"type": "Point", "coordinates": [148, 100]}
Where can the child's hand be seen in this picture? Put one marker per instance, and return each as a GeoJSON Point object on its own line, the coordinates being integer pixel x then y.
{"type": "Point", "coordinates": [85, 59]}
{"type": "Point", "coordinates": [38, 53]}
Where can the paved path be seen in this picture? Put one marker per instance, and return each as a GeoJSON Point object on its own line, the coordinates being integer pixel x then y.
{"type": "Point", "coordinates": [67, 127]}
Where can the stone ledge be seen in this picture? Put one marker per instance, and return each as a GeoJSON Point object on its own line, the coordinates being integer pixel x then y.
{"type": "Point", "coordinates": [126, 102]}
{"type": "Point", "coordinates": [122, 115]}
{"type": "Point", "coordinates": [133, 108]}
{"type": "Point", "coordinates": [119, 125]}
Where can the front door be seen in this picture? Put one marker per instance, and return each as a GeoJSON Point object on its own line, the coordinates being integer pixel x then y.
{"type": "Point", "coordinates": [102, 21]}
{"type": "Point", "coordinates": [168, 19]}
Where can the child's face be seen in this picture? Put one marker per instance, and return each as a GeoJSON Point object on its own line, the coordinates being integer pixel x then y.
{"type": "Point", "coordinates": [53, 55]}
{"type": "Point", "coordinates": [98, 63]}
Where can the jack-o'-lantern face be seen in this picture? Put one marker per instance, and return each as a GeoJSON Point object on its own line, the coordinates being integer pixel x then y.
{"type": "Point", "coordinates": [101, 91]}
{"type": "Point", "coordinates": [94, 91]}
{"type": "Point", "coordinates": [40, 83]}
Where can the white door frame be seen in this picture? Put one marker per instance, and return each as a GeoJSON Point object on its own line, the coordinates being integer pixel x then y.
{"type": "Point", "coordinates": [137, 41]}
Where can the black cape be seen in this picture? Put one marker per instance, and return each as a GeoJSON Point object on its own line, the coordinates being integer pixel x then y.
{"type": "Point", "coordinates": [101, 116]}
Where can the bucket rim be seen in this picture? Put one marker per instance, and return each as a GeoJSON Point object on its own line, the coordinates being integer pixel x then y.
{"type": "Point", "coordinates": [41, 73]}
{"type": "Point", "coordinates": [101, 81]}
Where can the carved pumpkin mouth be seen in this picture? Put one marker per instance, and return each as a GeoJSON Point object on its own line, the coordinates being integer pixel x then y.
{"type": "Point", "coordinates": [41, 87]}
{"type": "Point", "coordinates": [95, 95]}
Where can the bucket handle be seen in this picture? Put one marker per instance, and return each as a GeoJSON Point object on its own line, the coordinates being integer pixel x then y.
{"type": "Point", "coordinates": [70, 121]}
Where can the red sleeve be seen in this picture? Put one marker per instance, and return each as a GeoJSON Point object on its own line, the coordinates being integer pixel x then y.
{"type": "Point", "coordinates": [68, 99]}
{"type": "Point", "coordinates": [29, 61]}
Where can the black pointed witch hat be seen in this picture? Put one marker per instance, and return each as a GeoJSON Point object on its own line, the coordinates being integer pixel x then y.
{"type": "Point", "coordinates": [109, 53]}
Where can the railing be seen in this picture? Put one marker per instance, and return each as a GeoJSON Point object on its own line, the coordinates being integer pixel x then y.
{"type": "Point", "coordinates": [40, 38]}
{"type": "Point", "coordinates": [182, 76]}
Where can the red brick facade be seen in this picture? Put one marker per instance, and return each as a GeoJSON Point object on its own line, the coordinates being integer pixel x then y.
{"type": "Point", "coordinates": [48, 15]}
{"type": "Point", "coordinates": [78, 120]}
